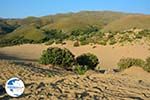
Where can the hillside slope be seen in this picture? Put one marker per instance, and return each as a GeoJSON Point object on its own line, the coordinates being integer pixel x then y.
{"type": "Point", "coordinates": [67, 21]}
{"type": "Point", "coordinates": [6, 27]}
{"type": "Point", "coordinates": [69, 26]}
{"type": "Point", "coordinates": [71, 21]}
{"type": "Point", "coordinates": [27, 32]}
{"type": "Point", "coordinates": [128, 22]}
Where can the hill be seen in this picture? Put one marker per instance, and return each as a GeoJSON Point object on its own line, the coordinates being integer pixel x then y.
{"type": "Point", "coordinates": [84, 26]}
{"type": "Point", "coordinates": [5, 27]}
{"type": "Point", "coordinates": [72, 21]}
{"type": "Point", "coordinates": [27, 32]}
{"type": "Point", "coordinates": [128, 22]}
{"type": "Point", "coordinates": [67, 21]}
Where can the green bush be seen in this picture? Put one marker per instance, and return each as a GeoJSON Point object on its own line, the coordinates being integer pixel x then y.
{"type": "Point", "coordinates": [145, 33]}
{"type": "Point", "coordinates": [55, 34]}
{"type": "Point", "coordinates": [85, 42]}
{"type": "Point", "coordinates": [76, 32]}
{"type": "Point", "coordinates": [58, 41]}
{"type": "Point", "coordinates": [139, 36]}
{"type": "Point", "coordinates": [57, 56]}
{"type": "Point", "coordinates": [129, 62]}
{"type": "Point", "coordinates": [50, 42]}
{"type": "Point", "coordinates": [14, 41]}
{"type": "Point", "coordinates": [147, 65]}
{"type": "Point", "coordinates": [80, 69]}
{"type": "Point", "coordinates": [88, 59]}
{"type": "Point", "coordinates": [112, 41]}
{"type": "Point", "coordinates": [102, 42]}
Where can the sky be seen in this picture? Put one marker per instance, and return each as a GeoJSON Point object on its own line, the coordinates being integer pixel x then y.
{"type": "Point", "coordinates": [24, 8]}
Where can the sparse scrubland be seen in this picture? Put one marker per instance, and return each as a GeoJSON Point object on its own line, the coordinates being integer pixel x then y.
{"type": "Point", "coordinates": [63, 56]}
{"type": "Point", "coordinates": [82, 37]}
{"type": "Point", "coordinates": [125, 63]}
{"type": "Point", "coordinates": [86, 27]}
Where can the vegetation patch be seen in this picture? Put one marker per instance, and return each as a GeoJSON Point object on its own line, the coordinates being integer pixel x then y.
{"type": "Point", "coordinates": [88, 59]}
{"type": "Point", "coordinates": [81, 70]}
{"type": "Point", "coordinates": [57, 56]}
{"type": "Point", "coordinates": [129, 62]}
{"type": "Point", "coordinates": [65, 59]}
{"type": "Point", "coordinates": [147, 64]}
{"type": "Point", "coordinates": [50, 42]}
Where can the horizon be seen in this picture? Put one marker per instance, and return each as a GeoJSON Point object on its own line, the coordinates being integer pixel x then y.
{"type": "Point", "coordinates": [36, 8]}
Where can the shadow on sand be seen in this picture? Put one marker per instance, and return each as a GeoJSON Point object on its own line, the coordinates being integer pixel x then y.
{"type": "Point", "coordinates": [38, 69]}
{"type": "Point", "coordinates": [14, 58]}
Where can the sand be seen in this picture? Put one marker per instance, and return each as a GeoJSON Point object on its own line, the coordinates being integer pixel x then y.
{"type": "Point", "coordinates": [64, 85]}
{"type": "Point", "coordinates": [108, 55]}
{"type": "Point", "coordinates": [47, 82]}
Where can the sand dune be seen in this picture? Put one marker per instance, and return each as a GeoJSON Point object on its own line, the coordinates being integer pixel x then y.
{"type": "Point", "coordinates": [108, 55]}
{"type": "Point", "coordinates": [127, 85]}
{"type": "Point", "coordinates": [44, 82]}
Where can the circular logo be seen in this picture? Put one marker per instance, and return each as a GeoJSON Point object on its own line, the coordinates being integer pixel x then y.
{"type": "Point", "coordinates": [14, 87]}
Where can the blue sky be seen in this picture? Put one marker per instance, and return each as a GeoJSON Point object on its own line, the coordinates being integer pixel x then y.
{"type": "Point", "coordinates": [24, 8]}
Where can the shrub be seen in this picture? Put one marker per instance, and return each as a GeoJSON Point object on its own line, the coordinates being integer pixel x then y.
{"type": "Point", "coordinates": [147, 65]}
{"type": "Point", "coordinates": [76, 44]}
{"type": "Point", "coordinates": [102, 42]}
{"type": "Point", "coordinates": [55, 34]}
{"type": "Point", "coordinates": [50, 74]}
{"type": "Point", "coordinates": [50, 42]}
{"type": "Point", "coordinates": [84, 42]}
{"type": "Point", "coordinates": [129, 62]}
{"type": "Point", "coordinates": [57, 56]}
{"type": "Point", "coordinates": [80, 69]}
{"type": "Point", "coordinates": [76, 32]}
{"type": "Point", "coordinates": [112, 41]}
{"type": "Point", "coordinates": [139, 36]}
{"type": "Point", "coordinates": [63, 43]}
{"type": "Point", "coordinates": [58, 41]}
{"type": "Point", "coordinates": [88, 59]}
{"type": "Point", "coordinates": [144, 33]}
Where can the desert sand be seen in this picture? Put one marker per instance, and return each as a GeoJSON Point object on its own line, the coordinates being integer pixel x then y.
{"type": "Point", "coordinates": [54, 83]}
{"type": "Point", "coordinates": [108, 55]}
{"type": "Point", "coordinates": [131, 84]}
